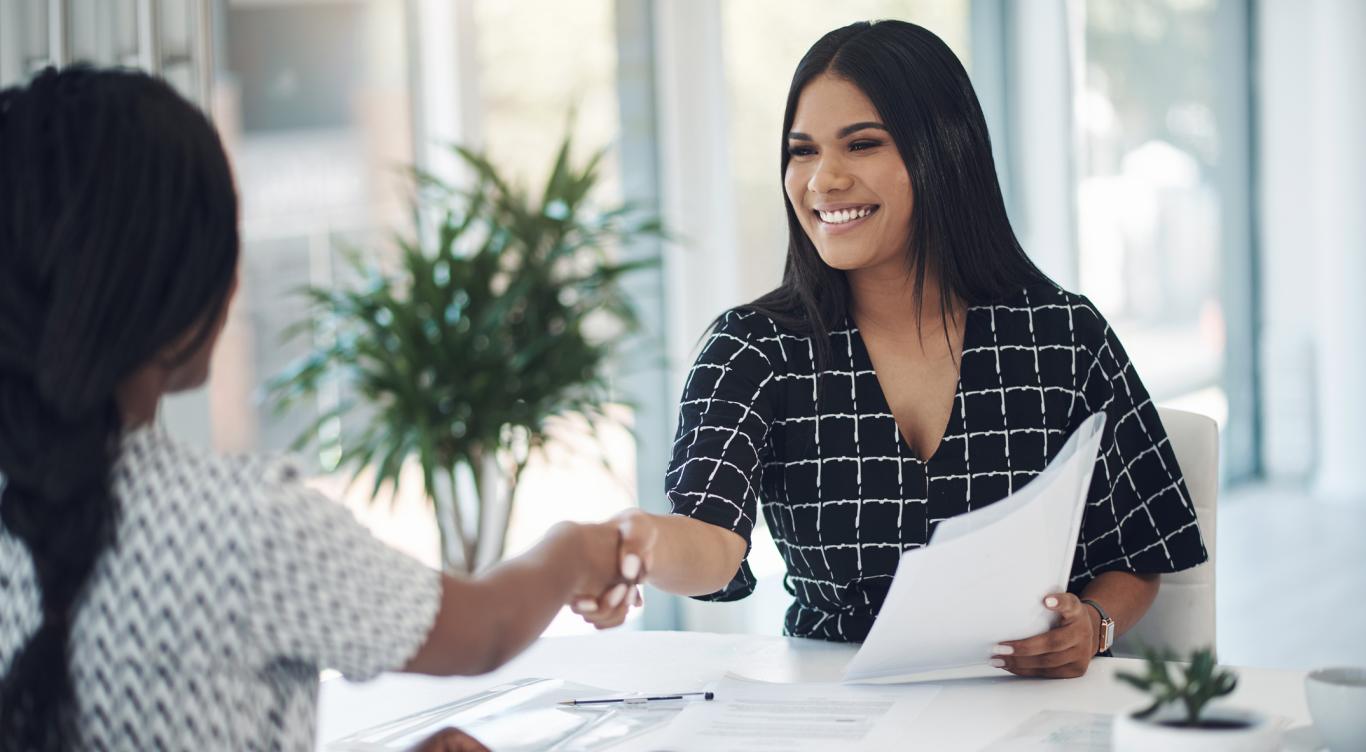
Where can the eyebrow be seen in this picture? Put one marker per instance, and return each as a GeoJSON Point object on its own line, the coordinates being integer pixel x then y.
{"type": "Point", "coordinates": [846, 130]}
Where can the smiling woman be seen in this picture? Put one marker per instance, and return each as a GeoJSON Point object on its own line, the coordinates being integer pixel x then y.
{"type": "Point", "coordinates": [826, 164]}
{"type": "Point", "coordinates": [913, 365]}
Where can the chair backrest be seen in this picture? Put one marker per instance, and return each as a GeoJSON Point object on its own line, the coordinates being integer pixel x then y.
{"type": "Point", "coordinates": [1182, 617]}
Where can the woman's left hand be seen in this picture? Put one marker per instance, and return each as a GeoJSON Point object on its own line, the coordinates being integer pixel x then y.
{"type": "Point", "coordinates": [1063, 652]}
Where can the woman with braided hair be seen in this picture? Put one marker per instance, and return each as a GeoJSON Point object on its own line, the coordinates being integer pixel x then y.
{"type": "Point", "coordinates": [153, 595]}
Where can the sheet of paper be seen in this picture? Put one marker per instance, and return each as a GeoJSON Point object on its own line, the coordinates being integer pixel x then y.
{"type": "Point", "coordinates": [752, 716]}
{"type": "Point", "coordinates": [1058, 731]}
{"type": "Point", "coordinates": [984, 574]}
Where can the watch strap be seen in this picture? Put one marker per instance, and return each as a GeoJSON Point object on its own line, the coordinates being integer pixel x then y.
{"type": "Point", "coordinates": [1107, 626]}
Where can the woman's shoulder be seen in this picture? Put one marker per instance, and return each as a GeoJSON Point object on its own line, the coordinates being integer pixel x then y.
{"type": "Point", "coordinates": [156, 468]}
{"type": "Point", "coordinates": [770, 334]}
{"type": "Point", "coordinates": [750, 321]}
{"type": "Point", "coordinates": [1041, 295]}
{"type": "Point", "coordinates": [1054, 312]}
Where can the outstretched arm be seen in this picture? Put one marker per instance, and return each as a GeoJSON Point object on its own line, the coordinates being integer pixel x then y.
{"type": "Point", "coordinates": [486, 620]}
{"type": "Point", "coordinates": [674, 553]}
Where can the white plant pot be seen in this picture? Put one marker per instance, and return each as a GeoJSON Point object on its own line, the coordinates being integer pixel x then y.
{"type": "Point", "coordinates": [1262, 734]}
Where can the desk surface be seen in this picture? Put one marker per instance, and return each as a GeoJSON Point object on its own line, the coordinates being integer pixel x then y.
{"type": "Point", "coordinates": [971, 710]}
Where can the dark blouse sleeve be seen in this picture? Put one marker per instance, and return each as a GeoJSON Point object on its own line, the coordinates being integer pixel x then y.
{"type": "Point", "coordinates": [723, 425]}
{"type": "Point", "coordinates": [1139, 517]}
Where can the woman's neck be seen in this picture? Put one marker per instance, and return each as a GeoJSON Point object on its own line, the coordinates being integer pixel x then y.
{"type": "Point", "coordinates": [139, 396]}
{"type": "Point", "coordinates": [886, 303]}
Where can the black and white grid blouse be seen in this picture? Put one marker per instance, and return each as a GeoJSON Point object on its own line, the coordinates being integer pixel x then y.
{"type": "Point", "coordinates": [844, 495]}
{"type": "Point", "coordinates": [231, 584]}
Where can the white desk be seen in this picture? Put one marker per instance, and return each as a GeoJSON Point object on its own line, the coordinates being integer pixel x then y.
{"type": "Point", "coordinates": [967, 713]}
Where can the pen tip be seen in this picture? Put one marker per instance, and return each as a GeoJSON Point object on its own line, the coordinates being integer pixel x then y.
{"type": "Point", "coordinates": [709, 696]}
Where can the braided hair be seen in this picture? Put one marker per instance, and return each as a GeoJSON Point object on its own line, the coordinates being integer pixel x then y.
{"type": "Point", "coordinates": [118, 240]}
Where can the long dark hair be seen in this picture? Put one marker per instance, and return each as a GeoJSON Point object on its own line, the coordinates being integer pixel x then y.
{"type": "Point", "coordinates": [118, 238]}
{"type": "Point", "coordinates": [959, 229]}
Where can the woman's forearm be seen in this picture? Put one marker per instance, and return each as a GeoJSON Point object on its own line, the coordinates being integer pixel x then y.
{"type": "Point", "coordinates": [485, 620]}
{"type": "Point", "coordinates": [690, 557]}
{"type": "Point", "coordinates": [1125, 596]}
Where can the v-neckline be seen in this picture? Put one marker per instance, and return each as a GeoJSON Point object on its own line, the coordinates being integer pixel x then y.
{"type": "Point", "coordinates": [903, 445]}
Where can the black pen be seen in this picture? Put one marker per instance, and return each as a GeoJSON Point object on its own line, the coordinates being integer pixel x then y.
{"type": "Point", "coordinates": [639, 700]}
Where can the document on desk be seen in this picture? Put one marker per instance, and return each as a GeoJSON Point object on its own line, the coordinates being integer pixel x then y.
{"type": "Point", "coordinates": [523, 715]}
{"type": "Point", "coordinates": [752, 716]}
{"type": "Point", "coordinates": [983, 576]}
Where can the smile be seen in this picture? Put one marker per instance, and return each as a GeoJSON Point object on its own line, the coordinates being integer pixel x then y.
{"type": "Point", "coordinates": [845, 217]}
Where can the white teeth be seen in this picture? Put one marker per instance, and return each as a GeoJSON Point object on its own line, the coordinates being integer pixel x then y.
{"type": "Point", "coordinates": [844, 215]}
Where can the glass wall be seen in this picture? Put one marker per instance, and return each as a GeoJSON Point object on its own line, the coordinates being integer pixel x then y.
{"type": "Point", "coordinates": [1155, 228]}
{"type": "Point", "coordinates": [321, 109]}
{"type": "Point", "coordinates": [542, 66]}
{"type": "Point", "coordinates": [314, 104]}
{"type": "Point", "coordinates": [166, 36]}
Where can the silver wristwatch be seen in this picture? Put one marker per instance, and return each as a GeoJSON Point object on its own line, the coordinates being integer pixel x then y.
{"type": "Point", "coordinates": [1107, 626]}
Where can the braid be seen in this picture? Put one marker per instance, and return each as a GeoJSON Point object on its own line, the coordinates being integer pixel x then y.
{"type": "Point", "coordinates": [117, 237]}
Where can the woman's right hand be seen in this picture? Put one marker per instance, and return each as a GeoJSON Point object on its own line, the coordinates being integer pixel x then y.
{"type": "Point", "coordinates": [592, 551]}
{"type": "Point", "coordinates": [607, 608]}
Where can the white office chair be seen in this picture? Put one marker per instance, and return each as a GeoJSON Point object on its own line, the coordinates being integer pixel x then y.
{"type": "Point", "coordinates": [1182, 617]}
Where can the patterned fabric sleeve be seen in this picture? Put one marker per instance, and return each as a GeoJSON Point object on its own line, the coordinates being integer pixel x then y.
{"type": "Point", "coordinates": [723, 424]}
{"type": "Point", "coordinates": [1139, 517]}
{"type": "Point", "coordinates": [328, 594]}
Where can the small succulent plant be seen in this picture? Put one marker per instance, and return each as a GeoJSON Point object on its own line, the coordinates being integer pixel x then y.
{"type": "Point", "coordinates": [1200, 682]}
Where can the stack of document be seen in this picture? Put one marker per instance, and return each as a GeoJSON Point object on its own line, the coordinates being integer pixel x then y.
{"type": "Point", "coordinates": [984, 574]}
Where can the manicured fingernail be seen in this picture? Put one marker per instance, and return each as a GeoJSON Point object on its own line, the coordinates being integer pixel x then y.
{"type": "Point", "coordinates": [614, 597]}
{"type": "Point", "coordinates": [1051, 602]}
{"type": "Point", "coordinates": [587, 605]}
{"type": "Point", "coordinates": [998, 663]}
{"type": "Point", "coordinates": [1003, 650]}
{"type": "Point", "coordinates": [640, 598]}
{"type": "Point", "coordinates": [630, 566]}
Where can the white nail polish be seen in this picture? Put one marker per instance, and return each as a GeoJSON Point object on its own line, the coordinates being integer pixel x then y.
{"type": "Point", "coordinates": [614, 597]}
{"type": "Point", "coordinates": [1051, 602]}
{"type": "Point", "coordinates": [1003, 650]}
{"type": "Point", "coordinates": [630, 566]}
{"type": "Point", "coordinates": [586, 606]}
{"type": "Point", "coordinates": [998, 663]}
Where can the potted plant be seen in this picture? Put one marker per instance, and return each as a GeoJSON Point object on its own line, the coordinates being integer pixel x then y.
{"type": "Point", "coordinates": [1181, 716]}
{"type": "Point", "coordinates": [501, 315]}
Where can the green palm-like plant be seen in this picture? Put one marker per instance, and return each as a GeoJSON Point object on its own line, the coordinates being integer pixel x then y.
{"type": "Point", "coordinates": [503, 315]}
{"type": "Point", "coordinates": [1202, 682]}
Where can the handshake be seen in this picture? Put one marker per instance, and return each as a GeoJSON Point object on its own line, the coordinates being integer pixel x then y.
{"type": "Point", "coordinates": [612, 560]}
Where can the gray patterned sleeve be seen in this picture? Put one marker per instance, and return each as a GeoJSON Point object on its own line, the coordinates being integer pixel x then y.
{"type": "Point", "coordinates": [327, 593]}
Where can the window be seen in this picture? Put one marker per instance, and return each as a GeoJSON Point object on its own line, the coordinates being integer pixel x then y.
{"type": "Point", "coordinates": [322, 110]}
{"type": "Point", "coordinates": [541, 62]}
{"type": "Point", "coordinates": [1162, 226]}
{"type": "Point", "coordinates": [169, 37]}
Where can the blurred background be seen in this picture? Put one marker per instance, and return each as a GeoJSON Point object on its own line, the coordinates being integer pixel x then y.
{"type": "Point", "coordinates": [1196, 167]}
